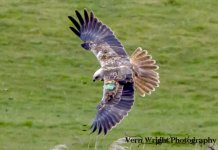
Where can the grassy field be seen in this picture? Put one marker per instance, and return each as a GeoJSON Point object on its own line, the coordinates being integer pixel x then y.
{"type": "Point", "coordinates": [47, 96]}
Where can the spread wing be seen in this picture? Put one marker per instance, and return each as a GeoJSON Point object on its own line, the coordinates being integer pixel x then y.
{"type": "Point", "coordinates": [89, 28]}
{"type": "Point", "coordinates": [113, 109]}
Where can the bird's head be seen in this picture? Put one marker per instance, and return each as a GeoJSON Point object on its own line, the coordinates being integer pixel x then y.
{"type": "Point", "coordinates": [88, 45]}
{"type": "Point", "coordinates": [98, 75]}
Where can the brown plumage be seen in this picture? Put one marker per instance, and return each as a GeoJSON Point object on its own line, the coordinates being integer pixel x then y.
{"type": "Point", "coordinates": [119, 72]}
{"type": "Point", "coordinates": [145, 77]}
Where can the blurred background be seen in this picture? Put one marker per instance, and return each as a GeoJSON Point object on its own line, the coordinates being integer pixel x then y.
{"type": "Point", "coordinates": [47, 96]}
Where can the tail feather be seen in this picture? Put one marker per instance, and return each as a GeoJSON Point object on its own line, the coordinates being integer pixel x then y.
{"type": "Point", "coordinates": [149, 66]}
{"type": "Point", "coordinates": [144, 58]}
{"type": "Point", "coordinates": [140, 90]}
{"type": "Point", "coordinates": [150, 73]}
{"type": "Point", "coordinates": [145, 84]}
{"type": "Point", "coordinates": [144, 67]}
{"type": "Point", "coordinates": [151, 81]}
{"type": "Point", "coordinates": [138, 50]}
{"type": "Point", "coordinates": [140, 87]}
{"type": "Point", "coordinates": [141, 54]}
{"type": "Point", "coordinates": [150, 61]}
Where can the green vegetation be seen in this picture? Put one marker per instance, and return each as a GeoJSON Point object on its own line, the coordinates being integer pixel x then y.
{"type": "Point", "coordinates": [47, 96]}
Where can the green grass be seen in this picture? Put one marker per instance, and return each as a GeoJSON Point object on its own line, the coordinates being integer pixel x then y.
{"type": "Point", "coordinates": [47, 96]}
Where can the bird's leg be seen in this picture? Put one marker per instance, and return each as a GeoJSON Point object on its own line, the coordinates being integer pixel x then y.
{"type": "Point", "coordinates": [99, 75]}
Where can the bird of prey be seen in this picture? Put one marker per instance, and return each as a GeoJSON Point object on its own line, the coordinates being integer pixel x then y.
{"type": "Point", "coordinates": [120, 73]}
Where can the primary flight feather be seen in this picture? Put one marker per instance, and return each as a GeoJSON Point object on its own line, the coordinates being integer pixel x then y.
{"type": "Point", "coordinates": [121, 74]}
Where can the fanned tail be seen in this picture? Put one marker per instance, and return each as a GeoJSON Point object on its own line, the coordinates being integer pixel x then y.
{"type": "Point", "coordinates": [145, 76]}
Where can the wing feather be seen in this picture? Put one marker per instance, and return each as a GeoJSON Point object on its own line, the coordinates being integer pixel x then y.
{"type": "Point", "coordinates": [86, 17]}
{"type": "Point", "coordinates": [89, 28]}
{"type": "Point", "coordinates": [75, 23]}
{"type": "Point", "coordinates": [75, 31]}
{"type": "Point", "coordinates": [109, 115]}
{"type": "Point", "coordinates": [80, 18]}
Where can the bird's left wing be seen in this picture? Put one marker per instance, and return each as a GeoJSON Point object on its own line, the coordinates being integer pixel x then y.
{"type": "Point", "coordinates": [116, 103]}
{"type": "Point", "coordinates": [89, 28]}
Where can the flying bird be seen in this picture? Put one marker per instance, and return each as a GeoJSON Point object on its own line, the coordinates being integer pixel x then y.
{"type": "Point", "coordinates": [120, 73]}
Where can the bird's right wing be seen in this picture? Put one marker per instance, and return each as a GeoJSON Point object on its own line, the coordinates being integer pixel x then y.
{"type": "Point", "coordinates": [89, 28]}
